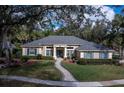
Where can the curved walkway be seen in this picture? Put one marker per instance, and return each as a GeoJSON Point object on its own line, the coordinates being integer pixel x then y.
{"type": "Point", "coordinates": [64, 83]}
{"type": "Point", "coordinates": [67, 76]}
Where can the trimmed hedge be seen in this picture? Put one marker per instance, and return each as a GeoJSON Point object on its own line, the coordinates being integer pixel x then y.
{"type": "Point", "coordinates": [47, 58]}
{"type": "Point", "coordinates": [97, 61]}
{"type": "Point", "coordinates": [40, 57]}
{"type": "Point", "coordinates": [25, 58]}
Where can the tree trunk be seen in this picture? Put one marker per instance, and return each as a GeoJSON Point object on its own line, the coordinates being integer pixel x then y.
{"type": "Point", "coordinates": [6, 45]}
{"type": "Point", "coordinates": [122, 53]}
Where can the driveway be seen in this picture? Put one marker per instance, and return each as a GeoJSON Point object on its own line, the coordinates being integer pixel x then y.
{"type": "Point", "coordinates": [67, 76]}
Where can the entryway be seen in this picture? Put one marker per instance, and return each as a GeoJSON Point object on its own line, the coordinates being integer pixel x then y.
{"type": "Point", "coordinates": [60, 52]}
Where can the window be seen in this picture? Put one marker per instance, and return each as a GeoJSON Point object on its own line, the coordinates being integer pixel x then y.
{"type": "Point", "coordinates": [32, 51]}
{"type": "Point", "coordinates": [88, 55]}
{"type": "Point", "coordinates": [69, 47]}
{"type": "Point", "coordinates": [103, 55]}
{"type": "Point", "coordinates": [70, 53]}
{"type": "Point", "coordinates": [49, 47]}
{"type": "Point", "coordinates": [48, 52]}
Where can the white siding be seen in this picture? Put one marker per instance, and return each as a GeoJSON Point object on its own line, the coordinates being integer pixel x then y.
{"type": "Point", "coordinates": [110, 55]}
{"type": "Point", "coordinates": [96, 55]}
{"type": "Point", "coordinates": [82, 55]}
{"type": "Point", "coordinates": [24, 51]}
{"type": "Point", "coordinates": [44, 51]}
{"type": "Point", "coordinates": [39, 51]}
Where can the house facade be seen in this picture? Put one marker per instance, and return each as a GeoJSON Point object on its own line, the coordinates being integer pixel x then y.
{"type": "Point", "coordinates": [66, 46]}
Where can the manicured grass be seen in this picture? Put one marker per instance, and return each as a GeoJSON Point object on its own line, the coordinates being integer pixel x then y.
{"type": "Point", "coordinates": [41, 70]}
{"type": "Point", "coordinates": [95, 72]}
{"type": "Point", "coordinates": [14, 83]}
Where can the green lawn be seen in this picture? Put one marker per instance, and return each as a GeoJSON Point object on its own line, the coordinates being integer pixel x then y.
{"type": "Point", "coordinates": [41, 70]}
{"type": "Point", "coordinates": [95, 72]}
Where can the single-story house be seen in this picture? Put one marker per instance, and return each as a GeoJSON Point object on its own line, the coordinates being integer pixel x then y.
{"type": "Point", "coordinates": [66, 46]}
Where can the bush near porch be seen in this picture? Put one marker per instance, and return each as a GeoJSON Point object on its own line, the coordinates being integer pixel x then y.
{"type": "Point", "coordinates": [97, 61]}
{"type": "Point", "coordinates": [95, 72]}
{"type": "Point", "coordinates": [38, 57]}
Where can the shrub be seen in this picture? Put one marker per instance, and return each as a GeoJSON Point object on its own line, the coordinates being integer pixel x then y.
{"type": "Point", "coordinates": [2, 60]}
{"type": "Point", "coordinates": [17, 52]}
{"type": "Point", "coordinates": [39, 56]}
{"type": "Point", "coordinates": [25, 58]}
{"type": "Point", "coordinates": [115, 57]}
{"type": "Point", "coordinates": [47, 58]}
{"type": "Point", "coordinates": [47, 63]}
{"type": "Point", "coordinates": [30, 62]}
{"type": "Point", "coordinates": [15, 63]}
{"type": "Point", "coordinates": [96, 61]}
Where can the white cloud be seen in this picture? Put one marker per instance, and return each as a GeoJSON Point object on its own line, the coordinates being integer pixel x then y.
{"type": "Point", "coordinates": [107, 11]}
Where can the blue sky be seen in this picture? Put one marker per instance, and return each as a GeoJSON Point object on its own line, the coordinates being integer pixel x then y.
{"type": "Point", "coordinates": [117, 10]}
{"type": "Point", "coordinates": [111, 12]}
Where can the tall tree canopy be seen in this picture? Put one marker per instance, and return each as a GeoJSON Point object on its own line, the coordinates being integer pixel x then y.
{"type": "Point", "coordinates": [26, 23]}
{"type": "Point", "coordinates": [41, 17]}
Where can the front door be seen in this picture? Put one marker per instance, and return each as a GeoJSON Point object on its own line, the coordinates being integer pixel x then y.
{"type": "Point", "coordinates": [59, 53]}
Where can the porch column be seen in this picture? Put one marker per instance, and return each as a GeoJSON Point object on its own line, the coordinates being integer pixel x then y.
{"type": "Point", "coordinates": [24, 51]}
{"type": "Point", "coordinates": [65, 52]}
{"type": "Point", "coordinates": [44, 50]}
{"type": "Point", "coordinates": [54, 52]}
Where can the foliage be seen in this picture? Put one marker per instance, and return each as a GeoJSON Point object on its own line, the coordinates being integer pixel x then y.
{"type": "Point", "coordinates": [2, 60]}
{"type": "Point", "coordinates": [25, 58]}
{"type": "Point", "coordinates": [22, 24]}
{"type": "Point", "coordinates": [36, 18]}
{"type": "Point", "coordinates": [39, 56]}
{"type": "Point", "coordinates": [17, 52]}
{"type": "Point", "coordinates": [96, 61]}
{"type": "Point", "coordinates": [116, 57]}
{"type": "Point", "coordinates": [116, 35]}
{"type": "Point", "coordinates": [47, 58]}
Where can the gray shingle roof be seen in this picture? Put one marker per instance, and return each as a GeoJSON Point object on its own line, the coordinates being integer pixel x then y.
{"type": "Point", "coordinates": [50, 40]}
{"type": "Point", "coordinates": [69, 40]}
{"type": "Point", "coordinates": [93, 46]}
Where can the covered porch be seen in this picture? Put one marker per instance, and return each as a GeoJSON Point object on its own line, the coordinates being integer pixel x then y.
{"type": "Point", "coordinates": [62, 51]}
{"type": "Point", "coordinates": [56, 51]}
